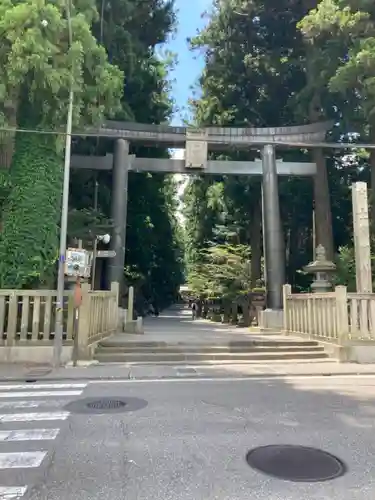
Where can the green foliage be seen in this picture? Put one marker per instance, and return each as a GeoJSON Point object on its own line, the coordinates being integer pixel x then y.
{"type": "Point", "coordinates": [199, 218]}
{"type": "Point", "coordinates": [85, 224]}
{"type": "Point", "coordinates": [5, 186]}
{"type": "Point", "coordinates": [345, 270]}
{"type": "Point", "coordinates": [253, 71]}
{"type": "Point", "coordinates": [252, 52]}
{"type": "Point", "coordinates": [342, 41]}
{"type": "Point", "coordinates": [39, 65]}
{"type": "Point", "coordinates": [131, 32]}
{"type": "Point", "coordinates": [223, 271]}
{"type": "Point", "coordinates": [280, 63]}
{"type": "Point", "coordinates": [29, 237]}
{"type": "Point", "coordinates": [153, 245]}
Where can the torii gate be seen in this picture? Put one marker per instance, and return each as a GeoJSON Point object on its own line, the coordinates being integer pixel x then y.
{"type": "Point", "coordinates": [198, 143]}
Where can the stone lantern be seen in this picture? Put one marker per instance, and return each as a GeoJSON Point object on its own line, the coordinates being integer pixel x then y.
{"type": "Point", "coordinates": [323, 270]}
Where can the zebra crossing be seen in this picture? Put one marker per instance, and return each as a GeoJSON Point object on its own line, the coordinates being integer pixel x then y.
{"type": "Point", "coordinates": [27, 412]}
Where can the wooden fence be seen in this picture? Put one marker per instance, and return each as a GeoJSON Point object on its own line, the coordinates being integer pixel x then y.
{"type": "Point", "coordinates": [334, 316]}
{"type": "Point", "coordinates": [103, 314]}
{"type": "Point", "coordinates": [28, 317]}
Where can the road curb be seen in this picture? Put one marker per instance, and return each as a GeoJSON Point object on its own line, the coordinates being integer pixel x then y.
{"type": "Point", "coordinates": [26, 379]}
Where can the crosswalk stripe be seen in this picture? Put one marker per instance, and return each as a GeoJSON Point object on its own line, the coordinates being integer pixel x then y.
{"type": "Point", "coordinates": [29, 435]}
{"type": "Point", "coordinates": [34, 394]}
{"type": "Point", "coordinates": [29, 417]}
{"type": "Point", "coordinates": [12, 405]}
{"type": "Point", "coordinates": [10, 399]}
{"type": "Point", "coordinates": [22, 460]}
{"type": "Point", "coordinates": [10, 387]}
{"type": "Point", "coordinates": [12, 492]}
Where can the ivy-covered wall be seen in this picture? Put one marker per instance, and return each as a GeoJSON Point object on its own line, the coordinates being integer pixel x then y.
{"type": "Point", "coordinates": [29, 236]}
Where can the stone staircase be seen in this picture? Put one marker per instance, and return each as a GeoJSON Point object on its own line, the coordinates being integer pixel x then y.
{"type": "Point", "coordinates": [200, 353]}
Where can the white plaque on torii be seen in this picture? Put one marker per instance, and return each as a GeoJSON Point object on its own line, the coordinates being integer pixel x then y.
{"type": "Point", "coordinates": [196, 148]}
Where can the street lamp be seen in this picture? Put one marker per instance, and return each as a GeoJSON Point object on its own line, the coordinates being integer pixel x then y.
{"type": "Point", "coordinates": [105, 238]}
{"type": "Point", "coordinates": [58, 339]}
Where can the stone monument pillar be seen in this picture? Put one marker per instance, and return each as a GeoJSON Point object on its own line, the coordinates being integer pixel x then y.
{"type": "Point", "coordinates": [273, 235]}
{"type": "Point", "coordinates": [361, 238]}
{"type": "Point", "coordinates": [119, 210]}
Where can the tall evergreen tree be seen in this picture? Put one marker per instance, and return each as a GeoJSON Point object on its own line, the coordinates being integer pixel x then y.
{"type": "Point", "coordinates": [132, 32]}
{"type": "Point", "coordinates": [39, 67]}
{"type": "Point", "coordinates": [259, 71]}
{"type": "Point", "coordinates": [117, 73]}
{"type": "Point", "coordinates": [340, 35]}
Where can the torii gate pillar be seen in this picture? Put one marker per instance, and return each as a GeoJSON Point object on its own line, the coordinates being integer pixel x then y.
{"type": "Point", "coordinates": [119, 210]}
{"type": "Point", "coordinates": [274, 251]}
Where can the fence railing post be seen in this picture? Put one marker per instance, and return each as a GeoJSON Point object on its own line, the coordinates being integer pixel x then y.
{"type": "Point", "coordinates": [12, 318]}
{"type": "Point", "coordinates": [129, 317]}
{"type": "Point", "coordinates": [83, 322]}
{"type": "Point", "coordinates": [11, 327]}
{"type": "Point", "coordinates": [113, 307]}
{"type": "Point", "coordinates": [342, 317]}
{"type": "Point", "coordinates": [287, 290]}
{"type": "Point", "coordinates": [310, 316]}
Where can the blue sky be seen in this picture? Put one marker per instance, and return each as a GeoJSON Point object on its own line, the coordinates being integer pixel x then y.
{"type": "Point", "coordinates": [189, 66]}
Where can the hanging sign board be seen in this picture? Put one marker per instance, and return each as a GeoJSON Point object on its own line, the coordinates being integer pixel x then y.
{"type": "Point", "coordinates": [196, 148]}
{"type": "Point", "coordinates": [106, 254]}
{"type": "Point", "coordinates": [78, 262]}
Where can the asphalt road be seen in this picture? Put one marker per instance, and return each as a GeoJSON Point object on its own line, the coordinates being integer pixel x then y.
{"type": "Point", "coordinates": [186, 439]}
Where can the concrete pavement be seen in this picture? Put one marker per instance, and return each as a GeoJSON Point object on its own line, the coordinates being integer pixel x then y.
{"type": "Point", "coordinates": [14, 373]}
{"type": "Point", "coordinates": [176, 326]}
{"type": "Point", "coordinates": [188, 442]}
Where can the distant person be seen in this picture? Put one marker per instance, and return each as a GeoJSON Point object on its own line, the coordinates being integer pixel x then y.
{"type": "Point", "coordinates": [205, 310]}
{"type": "Point", "coordinates": [156, 310]}
{"type": "Point", "coordinates": [194, 310]}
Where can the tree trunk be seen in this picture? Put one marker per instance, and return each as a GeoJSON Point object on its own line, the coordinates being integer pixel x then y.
{"type": "Point", "coordinates": [292, 249]}
{"type": "Point", "coordinates": [227, 312]}
{"type": "Point", "coordinates": [246, 313]}
{"type": "Point", "coordinates": [322, 202]}
{"type": "Point", "coordinates": [234, 313]}
{"type": "Point", "coordinates": [256, 242]}
{"type": "Point", "coordinates": [322, 205]}
{"type": "Point", "coordinates": [7, 139]}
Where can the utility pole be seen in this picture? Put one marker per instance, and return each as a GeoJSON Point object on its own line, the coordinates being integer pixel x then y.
{"type": "Point", "coordinates": [59, 325]}
{"type": "Point", "coordinates": [94, 254]}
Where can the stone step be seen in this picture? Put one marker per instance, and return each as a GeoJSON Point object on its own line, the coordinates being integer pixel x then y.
{"type": "Point", "coordinates": [213, 364]}
{"type": "Point", "coordinates": [212, 350]}
{"type": "Point", "coordinates": [141, 358]}
{"type": "Point", "coordinates": [240, 345]}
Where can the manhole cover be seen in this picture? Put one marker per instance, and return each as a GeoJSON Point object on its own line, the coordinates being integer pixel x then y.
{"type": "Point", "coordinates": [37, 373]}
{"type": "Point", "coordinates": [106, 404]}
{"type": "Point", "coordinates": [296, 463]}
{"type": "Point", "coordinates": [186, 371]}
